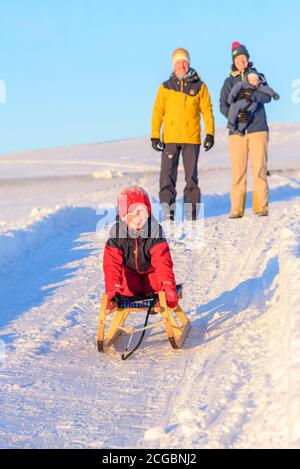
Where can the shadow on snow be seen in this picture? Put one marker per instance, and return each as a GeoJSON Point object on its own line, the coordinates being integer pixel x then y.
{"type": "Point", "coordinates": [37, 274]}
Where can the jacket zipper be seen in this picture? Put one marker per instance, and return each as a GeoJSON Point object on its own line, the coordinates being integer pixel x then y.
{"type": "Point", "coordinates": [136, 254]}
{"type": "Point", "coordinates": [181, 109]}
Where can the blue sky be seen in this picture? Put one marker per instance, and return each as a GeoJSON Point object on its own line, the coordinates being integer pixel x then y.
{"type": "Point", "coordinates": [83, 71]}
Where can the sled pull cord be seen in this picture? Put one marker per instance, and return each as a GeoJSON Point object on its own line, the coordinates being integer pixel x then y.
{"type": "Point", "coordinates": [127, 353]}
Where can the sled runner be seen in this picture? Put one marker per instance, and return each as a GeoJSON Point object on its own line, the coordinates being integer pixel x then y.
{"type": "Point", "coordinates": [175, 322]}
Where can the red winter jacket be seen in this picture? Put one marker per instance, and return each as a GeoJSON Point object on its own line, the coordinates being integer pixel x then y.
{"type": "Point", "coordinates": [142, 251]}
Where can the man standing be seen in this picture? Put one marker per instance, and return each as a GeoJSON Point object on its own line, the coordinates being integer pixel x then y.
{"type": "Point", "coordinates": [177, 108]}
{"type": "Point", "coordinates": [253, 144]}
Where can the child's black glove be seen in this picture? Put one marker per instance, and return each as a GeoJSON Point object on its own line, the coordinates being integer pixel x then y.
{"type": "Point", "coordinates": [113, 299]}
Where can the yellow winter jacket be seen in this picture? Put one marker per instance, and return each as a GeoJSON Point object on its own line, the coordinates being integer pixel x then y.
{"type": "Point", "coordinates": [178, 108]}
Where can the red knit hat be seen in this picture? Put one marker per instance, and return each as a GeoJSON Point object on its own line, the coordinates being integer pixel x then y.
{"type": "Point", "coordinates": [132, 195]}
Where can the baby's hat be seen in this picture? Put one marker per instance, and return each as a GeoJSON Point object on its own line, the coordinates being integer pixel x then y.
{"type": "Point", "coordinates": [130, 196]}
{"type": "Point", "coordinates": [253, 75]}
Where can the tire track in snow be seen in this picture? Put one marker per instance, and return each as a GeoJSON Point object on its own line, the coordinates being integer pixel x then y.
{"type": "Point", "coordinates": [79, 398]}
{"type": "Point", "coordinates": [47, 337]}
{"type": "Point", "coordinates": [194, 424]}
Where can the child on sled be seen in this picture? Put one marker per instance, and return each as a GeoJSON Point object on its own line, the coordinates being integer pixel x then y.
{"type": "Point", "coordinates": [137, 259]}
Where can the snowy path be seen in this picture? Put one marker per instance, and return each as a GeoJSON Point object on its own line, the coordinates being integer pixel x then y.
{"type": "Point", "coordinates": [230, 375]}
{"type": "Point", "coordinates": [228, 387]}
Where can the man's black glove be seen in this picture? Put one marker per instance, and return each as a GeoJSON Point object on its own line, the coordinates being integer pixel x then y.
{"type": "Point", "coordinates": [157, 144]}
{"type": "Point", "coordinates": [243, 116]}
{"type": "Point", "coordinates": [245, 94]}
{"type": "Point", "coordinates": [209, 142]}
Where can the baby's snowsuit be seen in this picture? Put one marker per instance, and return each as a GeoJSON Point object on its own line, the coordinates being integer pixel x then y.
{"type": "Point", "coordinates": [251, 107]}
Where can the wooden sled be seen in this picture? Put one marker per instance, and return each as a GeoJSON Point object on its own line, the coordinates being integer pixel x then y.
{"type": "Point", "coordinates": [175, 322]}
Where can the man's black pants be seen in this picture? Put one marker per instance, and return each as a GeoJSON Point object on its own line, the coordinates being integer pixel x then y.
{"type": "Point", "coordinates": [168, 173]}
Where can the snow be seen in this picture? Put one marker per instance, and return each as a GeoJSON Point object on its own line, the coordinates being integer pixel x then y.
{"type": "Point", "coordinates": [235, 383]}
{"type": "Point", "coordinates": [43, 224]}
{"type": "Point", "coordinates": [108, 174]}
{"type": "Point", "coordinates": [289, 257]}
{"type": "Point", "coordinates": [137, 156]}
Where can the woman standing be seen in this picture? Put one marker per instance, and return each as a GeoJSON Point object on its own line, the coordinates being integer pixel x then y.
{"type": "Point", "coordinates": [253, 144]}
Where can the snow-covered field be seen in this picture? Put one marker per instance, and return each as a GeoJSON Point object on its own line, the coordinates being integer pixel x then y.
{"type": "Point", "coordinates": [236, 382]}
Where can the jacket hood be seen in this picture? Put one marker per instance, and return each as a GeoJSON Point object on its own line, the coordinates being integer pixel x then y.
{"type": "Point", "coordinates": [235, 73]}
{"type": "Point", "coordinates": [190, 77]}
